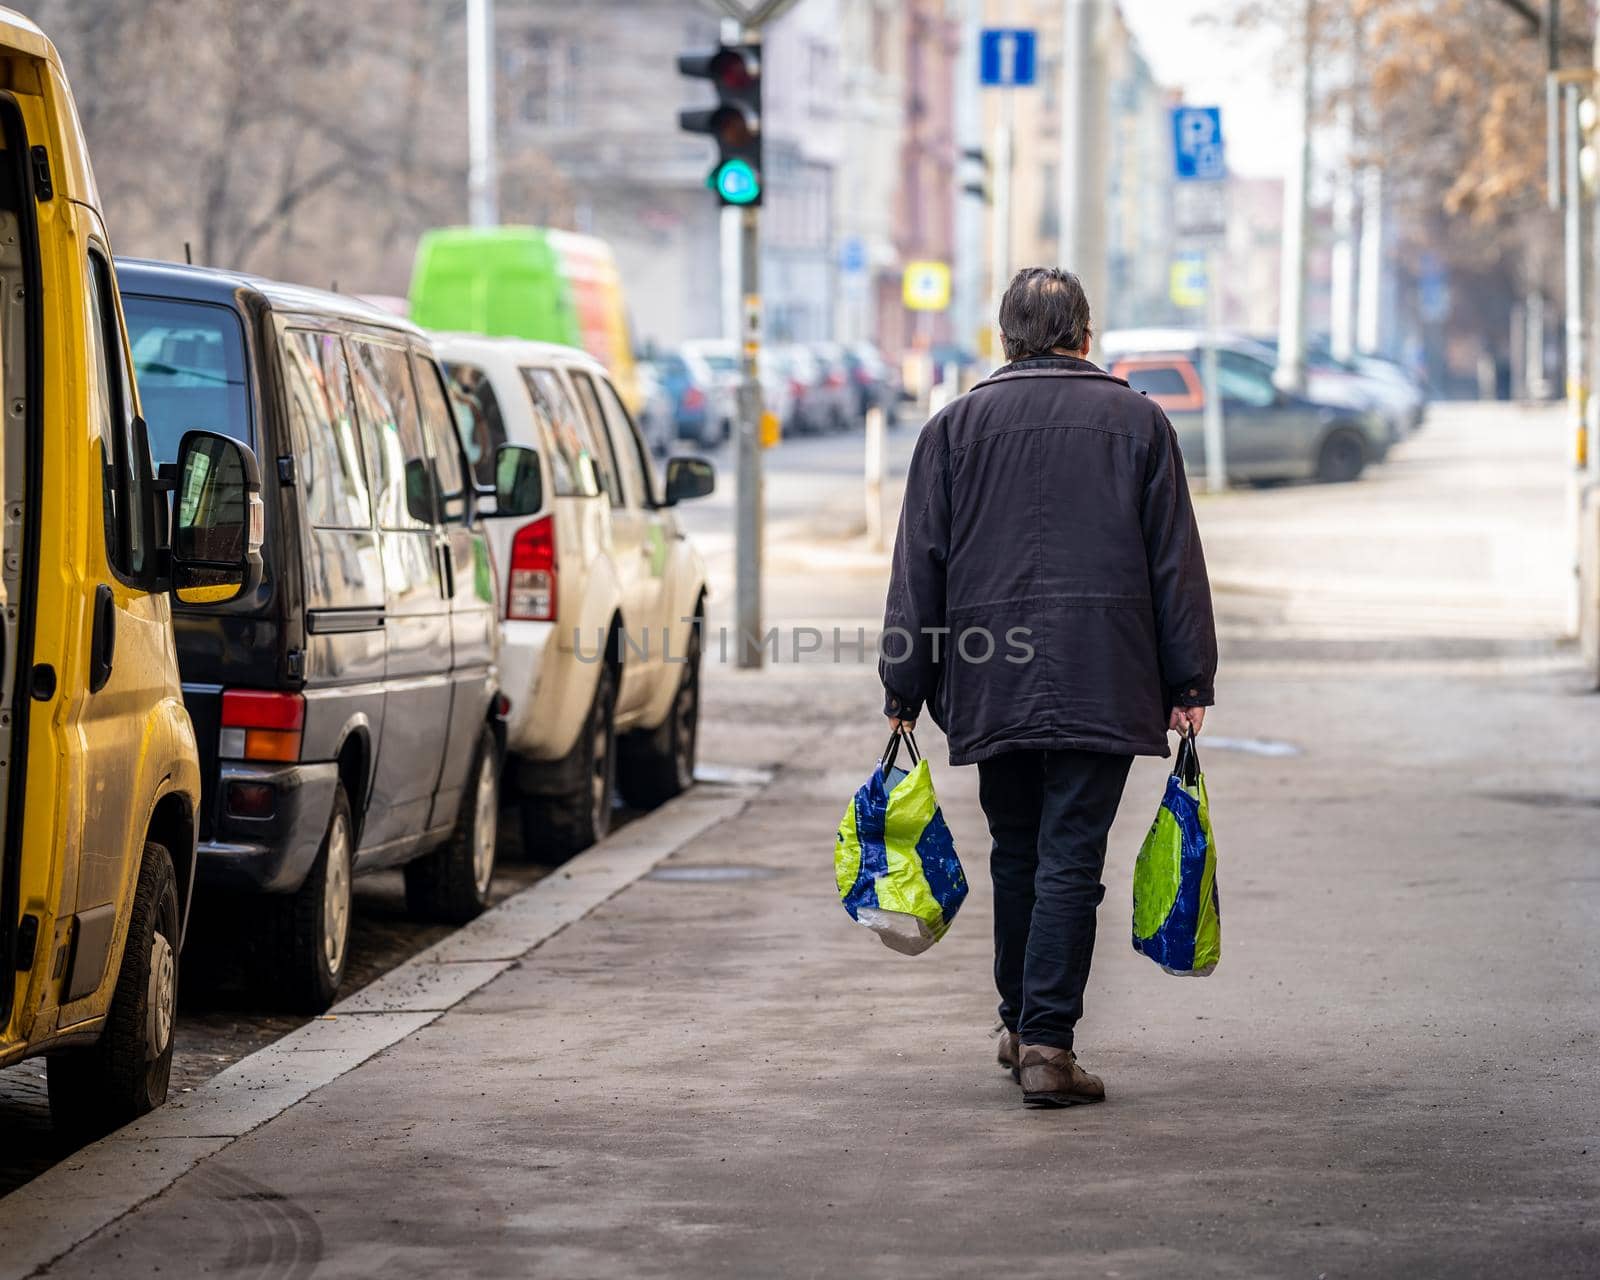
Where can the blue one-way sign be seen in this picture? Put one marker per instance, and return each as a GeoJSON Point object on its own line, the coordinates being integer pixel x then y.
{"type": "Point", "coordinates": [1197, 147]}
{"type": "Point", "coordinates": [1006, 58]}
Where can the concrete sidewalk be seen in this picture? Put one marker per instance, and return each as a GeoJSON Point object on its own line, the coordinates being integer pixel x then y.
{"type": "Point", "coordinates": [1391, 1073]}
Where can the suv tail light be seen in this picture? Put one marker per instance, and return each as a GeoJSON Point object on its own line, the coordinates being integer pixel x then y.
{"type": "Point", "coordinates": [694, 398]}
{"type": "Point", "coordinates": [531, 592]}
{"type": "Point", "coordinates": [257, 725]}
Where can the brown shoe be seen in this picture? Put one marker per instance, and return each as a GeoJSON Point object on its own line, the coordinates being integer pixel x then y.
{"type": "Point", "coordinates": [1051, 1077]}
{"type": "Point", "coordinates": [1006, 1054]}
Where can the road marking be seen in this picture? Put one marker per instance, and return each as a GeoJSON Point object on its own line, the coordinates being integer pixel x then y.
{"type": "Point", "coordinates": [61, 1208]}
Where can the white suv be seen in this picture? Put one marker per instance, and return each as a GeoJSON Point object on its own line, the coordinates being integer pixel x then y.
{"type": "Point", "coordinates": [602, 596]}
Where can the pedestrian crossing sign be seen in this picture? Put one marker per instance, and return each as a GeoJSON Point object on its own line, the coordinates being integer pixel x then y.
{"type": "Point", "coordinates": [927, 286]}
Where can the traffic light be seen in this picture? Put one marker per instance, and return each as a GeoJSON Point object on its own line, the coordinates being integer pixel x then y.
{"type": "Point", "coordinates": [735, 122]}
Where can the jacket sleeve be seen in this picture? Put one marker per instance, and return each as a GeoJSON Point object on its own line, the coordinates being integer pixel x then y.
{"type": "Point", "coordinates": [1186, 632]}
{"type": "Point", "coordinates": [915, 611]}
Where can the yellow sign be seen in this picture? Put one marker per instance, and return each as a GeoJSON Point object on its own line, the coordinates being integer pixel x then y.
{"type": "Point", "coordinates": [1187, 285]}
{"type": "Point", "coordinates": [771, 429]}
{"type": "Point", "coordinates": [926, 286]}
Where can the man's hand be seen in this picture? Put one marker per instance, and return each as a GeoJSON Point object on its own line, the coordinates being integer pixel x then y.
{"type": "Point", "coordinates": [1187, 719]}
{"type": "Point", "coordinates": [897, 725]}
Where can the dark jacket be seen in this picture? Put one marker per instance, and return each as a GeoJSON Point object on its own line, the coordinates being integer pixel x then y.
{"type": "Point", "coordinates": [1047, 515]}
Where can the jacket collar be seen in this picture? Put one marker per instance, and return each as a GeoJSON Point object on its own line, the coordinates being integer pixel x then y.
{"type": "Point", "coordinates": [1049, 366]}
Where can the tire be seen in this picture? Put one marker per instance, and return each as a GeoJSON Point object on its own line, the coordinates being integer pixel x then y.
{"type": "Point", "coordinates": [312, 928]}
{"type": "Point", "coordinates": [654, 765]}
{"type": "Point", "coordinates": [452, 884]}
{"type": "Point", "coordinates": [125, 1074]}
{"type": "Point", "coordinates": [1342, 458]}
{"type": "Point", "coordinates": [555, 827]}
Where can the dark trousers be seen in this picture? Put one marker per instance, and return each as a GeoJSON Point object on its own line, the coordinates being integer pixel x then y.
{"type": "Point", "coordinates": [1049, 813]}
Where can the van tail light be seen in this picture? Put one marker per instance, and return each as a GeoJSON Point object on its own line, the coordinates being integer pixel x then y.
{"type": "Point", "coordinates": [257, 725]}
{"type": "Point", "coordinates": [835, 378]}
{"type": "Point", "coordinates": [531, 592]}
{"type": "Point", "coordinates": [797, 388]}
{"type": "Point", "coordinates": [694, 398]}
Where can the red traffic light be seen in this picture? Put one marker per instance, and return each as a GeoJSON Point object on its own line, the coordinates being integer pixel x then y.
{"type": "Point", "coordinates": [734, 71]}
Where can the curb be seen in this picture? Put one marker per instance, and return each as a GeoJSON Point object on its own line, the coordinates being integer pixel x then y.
{"type": "Point", "coordinates": [89, 1190]}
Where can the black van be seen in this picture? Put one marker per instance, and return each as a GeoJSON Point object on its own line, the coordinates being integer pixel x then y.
{"type": "Point", "coordinates": [348, 710]}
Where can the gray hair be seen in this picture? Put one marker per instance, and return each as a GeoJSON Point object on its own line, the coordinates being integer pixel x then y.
{"type": "Point", "coordinates": [1044, 309]}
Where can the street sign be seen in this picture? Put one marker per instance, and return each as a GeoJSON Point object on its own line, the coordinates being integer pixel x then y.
{"type": "Point", "coordinates": [852, 255]}
{"type": "Point", "coordinates": [1189, 280]}
{"type": "Point", "coordinates": [926, 286]}
{"type": "Point", "coordinates": [1007, 58]}
{"type": "Point", "coordinates": [1200, 210]}
{"type": "Point", "coordinates": [756, 14]}
{"type": "Point", "coordinates": [1197, 148]}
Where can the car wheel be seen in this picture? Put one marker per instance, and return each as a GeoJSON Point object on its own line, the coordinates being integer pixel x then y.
{"type": "Point", "coordinates": [555, 827]}
{"type": "Point", "coordinates": [656, 764]}
{"type": "Point", "coordinates": [125, 1074]}
{"type": "Point", "coordinates": [1341, 458]}
{"type": "Point", "coordinates": [314, 923]}
{"type": "Point", "coordinates": [452, 884]}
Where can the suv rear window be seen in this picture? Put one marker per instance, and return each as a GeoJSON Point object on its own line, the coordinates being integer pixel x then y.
{"type": "Point", "coordinates": [189, 359]}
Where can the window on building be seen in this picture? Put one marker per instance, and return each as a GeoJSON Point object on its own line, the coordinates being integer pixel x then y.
{"type": "Point", "coordinates": [546, 67]}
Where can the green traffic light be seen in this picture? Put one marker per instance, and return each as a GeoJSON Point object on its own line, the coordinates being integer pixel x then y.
{"type": "Point", "coordinates": [736, 182]}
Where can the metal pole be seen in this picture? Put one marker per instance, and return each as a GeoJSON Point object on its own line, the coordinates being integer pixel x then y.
{"type": "Point", "coordinates": [1084, 148]}
{"type": "Point", "coordinates": [876, 441]}
{"type": "Point", "coordinates": [1291, 375]}
{"type": "Point", "coordinates": [1552, 104]}
{"type": "Point", "coordinates": [483, 184]}
{"type": "Point", "coordinates": [1369, 285]}
{"type": "Point", "coordinates": [1342, 331]}
{"type": "Point", "coordinates": [1212, 422]}
{"type": "Point", "coordinates": [1577, 383]}
{"type": "Point", "coordinates": [1000, 250]}
{"type": "Point", "coordinates": [748, 531]}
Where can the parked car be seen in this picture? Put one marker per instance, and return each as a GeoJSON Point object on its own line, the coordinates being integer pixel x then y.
{"type": "Point", "coordinates": [1400, 402]}
{"type": "Point", "coordinates": [102, 772]}
{"type": "Point", "coordinates": [810, 408]}
{"type": "Point", "coordinates": [1268, 434]}
{"type": "Point", "coordinates": [348, 709]}
{"type": "Point", "coordinates": [836, 387]}
{"type": "Point", "coordinates": [602, 596]}
{"type": "Point", "coordinates": [726, 362]}
{"type": "Point", "coordinates": [707, 403]}
{"type": "Point", "coordinates": [658, 414]}
{"type": "Point", "coordinates": [876, 382]}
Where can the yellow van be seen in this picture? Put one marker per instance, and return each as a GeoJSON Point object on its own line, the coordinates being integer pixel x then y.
{"type": "Point", "coordinates": [99, 776]}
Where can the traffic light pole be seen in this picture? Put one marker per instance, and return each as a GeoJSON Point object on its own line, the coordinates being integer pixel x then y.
{"type": "Point", "coordinates": [750, 519]}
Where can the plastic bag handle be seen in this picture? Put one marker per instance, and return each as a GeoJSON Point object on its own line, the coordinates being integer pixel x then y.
{"type": "Point", "coordinates": [1186, 768]}
{"type": "Point", "coordinates": [886, 761]}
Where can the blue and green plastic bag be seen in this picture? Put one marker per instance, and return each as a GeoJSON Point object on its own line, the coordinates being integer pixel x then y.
{"type": "Point", "coordinates": [1177, 917]}
{"type": "Point", "coordinates": [894, 860]}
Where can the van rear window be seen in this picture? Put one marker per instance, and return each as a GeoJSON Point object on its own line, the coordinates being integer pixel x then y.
{"type": "Point", "coordinates": [189, 359]}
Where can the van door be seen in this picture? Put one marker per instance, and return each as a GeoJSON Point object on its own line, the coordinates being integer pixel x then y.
{"type": "Point", "coordinates": [416, 612]}
{"type": "Point", "coordinates": [630, 552]}
{"type": "Point", "coordinates": [469, 587]}
{"type": "Point", "coordinates": [635, 511]}
{"type": "Point", "coordinates": [129, 643]}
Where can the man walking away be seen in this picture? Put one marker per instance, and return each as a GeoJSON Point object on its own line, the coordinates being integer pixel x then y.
{"type": "Point", "coordinates": [1049, 599]}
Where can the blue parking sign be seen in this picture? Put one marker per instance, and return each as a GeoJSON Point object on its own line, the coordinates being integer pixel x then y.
{"type": "Point", "coordinates": [1006, 58]}
{"type": "Point", "coordinates": [1197, 147]}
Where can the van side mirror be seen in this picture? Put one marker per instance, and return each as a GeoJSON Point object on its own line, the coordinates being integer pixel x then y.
{"type": "Point", "coordinates": [689, 478]}
{"type": "Point", "coordinates": [218, 520]}
{"type": "Point", "coordinates": [518, 481]}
